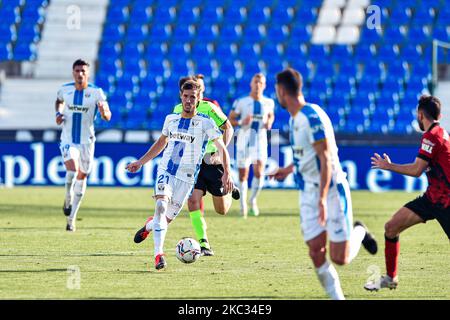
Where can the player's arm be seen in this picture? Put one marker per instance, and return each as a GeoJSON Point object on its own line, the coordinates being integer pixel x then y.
{"type": "Point", "coordinates": [105, 111]}
{"type": "Point", "coordinates": [411, 169]}
{"type": "Point", "coordinates": [228, 132]}
{"type": "Point", "coordinates": [226, 177]}
{"type": "Point", "coordinates": [281, 173]}
{"type": "Point", "coordinates": [270, 120]}
{"type": "Point", "coordinates": [323, 153]}
{"type": "Point", "coordinates": [152, 153]}
{"type": "Point", "coordinates": [59, 107]}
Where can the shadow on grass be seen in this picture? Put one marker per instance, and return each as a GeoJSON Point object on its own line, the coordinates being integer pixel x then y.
{"type": "Point", "coordinates": [33, 271]}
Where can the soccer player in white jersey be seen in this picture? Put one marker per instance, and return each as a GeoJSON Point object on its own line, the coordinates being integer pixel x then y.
{"type": "Point", "coordinates": [77, 105]}
{"type": "Point", "coordinates": [325, 201]}
{"type": "Point", "coordinates": [256, 113]}
{"type": "Point", "coordinates": [186, 135]}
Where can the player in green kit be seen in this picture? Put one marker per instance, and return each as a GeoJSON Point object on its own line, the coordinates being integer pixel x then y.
{"type": "Point", "coordinates": [210, 175]}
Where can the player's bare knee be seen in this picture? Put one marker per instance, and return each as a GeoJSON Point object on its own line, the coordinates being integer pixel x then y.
{"type": "Point", "coordinates": [340, 260]}
{"type": "Point", "coordinates": [317, 253]}
{"type": "Point", "coordinates": [390, 230]}
{"type": "Point", "coordinates": [193, 204]}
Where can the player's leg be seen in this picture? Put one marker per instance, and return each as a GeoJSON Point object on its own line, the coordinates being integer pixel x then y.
{"type": "Point", "coordinates": [69, 156]}
{"type": "Point", "coordinates": [197, 217]}
{"type": "Point", "coordinates": [257, 185]}
{"type": "Point", "coordinates": [167, 209]}
{"type": "Point", "coordinates": [79, 187]}
{"type": "Point", "coordinates": [411, 214]}
{"type": "Point", "coordinates": [327, 274]}
{"type": "Point", "coordinates": [345, 239]}
{"type": "Point", "coordinates": [315, 237]}
{"type": "Point", "coordinates": [243, 186]}
{"type": "Point", "coordinates": [160, 230]}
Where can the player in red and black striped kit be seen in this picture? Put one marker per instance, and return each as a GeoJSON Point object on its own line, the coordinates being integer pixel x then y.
{"type": "Point", "coordinates": [434, 159]}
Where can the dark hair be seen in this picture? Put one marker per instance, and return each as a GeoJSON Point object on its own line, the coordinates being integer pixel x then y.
{"type": "Point", "coordinates": [183, 81]}
{"type": "Point", "coordinates": [79, 62]}
{"type": "Point", "coordinates": [291, 80]}
{"type": "Point", "coordinates": [190, 85]}
{"type": "Point", "coordinates": [431, 106]}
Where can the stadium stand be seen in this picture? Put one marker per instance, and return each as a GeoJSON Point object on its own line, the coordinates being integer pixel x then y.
{"type": "Point", "coordinates": [228, 43]}
{"type": "Point", "coordinates": [366, 79]}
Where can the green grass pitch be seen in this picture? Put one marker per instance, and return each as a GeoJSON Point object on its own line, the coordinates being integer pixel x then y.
{"type": "Point", "coordinates": [259, 258]}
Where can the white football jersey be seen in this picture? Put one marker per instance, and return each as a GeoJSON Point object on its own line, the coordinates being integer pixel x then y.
{"type": "Point", "coordinates": [80, 110]}
{"type": "Point", "coordinates": [260, 111]}
{"type": "Point", "coordinates": [188, 138]}
{"type": "Point", "coordinates": [309, 125]}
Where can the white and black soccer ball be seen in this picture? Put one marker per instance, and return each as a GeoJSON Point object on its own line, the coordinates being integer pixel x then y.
{"type": "Point", "coordinates": [188, 250]}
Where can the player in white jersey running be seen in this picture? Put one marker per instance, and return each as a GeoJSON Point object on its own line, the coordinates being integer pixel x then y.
{"type": "Point", "coordinates": [256, 113]}
{"type": "Point", "coordinates": [76, 106]}
{"type": "Point", "coordinates": [325, 201]}
{"type": "Point", "coordinates": [186, 136]}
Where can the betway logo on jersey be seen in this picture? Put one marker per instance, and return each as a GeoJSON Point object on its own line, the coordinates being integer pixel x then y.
{"type": "Point", "coordinates": [76, 108]}
{"type": "Point", "coordinates": [181, 137]}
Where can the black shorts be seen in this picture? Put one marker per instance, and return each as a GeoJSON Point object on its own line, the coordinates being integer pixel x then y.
{"type": "Point", "coordinates": [210, 179]}
{"type": "Point", "coordinates": [426, 210]}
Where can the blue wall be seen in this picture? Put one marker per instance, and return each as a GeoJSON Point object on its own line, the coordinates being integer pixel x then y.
{"type": "Point", "coordinates": [40, 164]}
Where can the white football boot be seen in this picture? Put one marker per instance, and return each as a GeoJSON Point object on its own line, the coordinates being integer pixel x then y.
{"type": "Point", "coordinates": [383, 282]}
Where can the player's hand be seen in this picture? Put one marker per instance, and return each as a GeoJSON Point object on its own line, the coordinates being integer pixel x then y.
{"type": "Point", "coordinates": [247, 120]}
{"type": "Point", "coordinates": [134, 166]}
{"type": "Point", "coordinates": [101, 107]}
{"type": "Point", "coordinates": [227, 183]}
{"type": "Point", "coordinates": [322, 212]}
{"type": "Point", "coordinates": [279, 174]}
{"type": "Point", "coordinates": [59, 118]}
{"type": "Point", "coordinates": [379, 162]}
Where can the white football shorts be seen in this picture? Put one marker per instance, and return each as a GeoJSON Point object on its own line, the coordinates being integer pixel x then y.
{"type": "Point", "coordinates": [178, 191]}
{"type": "Point", "coordinates": [340, 214]}
{"type": "Point", "coordinates": [250, 147]}
{"type": "Point", "coordinates": [83, 153]}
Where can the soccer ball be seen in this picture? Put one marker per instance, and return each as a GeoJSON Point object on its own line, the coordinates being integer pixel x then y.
{"type": "Point", "coordinates": [188, 250]}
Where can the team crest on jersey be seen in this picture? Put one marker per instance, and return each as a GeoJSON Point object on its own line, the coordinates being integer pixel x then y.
{"type": "Point", "coordinates": [195, 123]}
{"type": "Point", "coordinates": [161, 187]}
{"type": "Point", "coordinates": [87, 95]}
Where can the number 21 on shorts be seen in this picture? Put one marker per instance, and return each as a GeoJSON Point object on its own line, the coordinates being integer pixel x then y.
{"type": "Point", "coordinates": [163, 179]}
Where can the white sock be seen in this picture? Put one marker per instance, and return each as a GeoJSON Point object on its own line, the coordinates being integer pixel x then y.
{"type": "Point", "coordinates": [69, 188]}
{"type": "Point", "coordinates": [356, 237]}
{"type": "Point", "coordinates": [149, 225]}
{"type": "Point", "coordinates": [243, 186]}
{"type": "Point", "coordinates": [160, 226]}
{"type": "Point", "coordinates": [79, 188]}
{"type": "Point", "coordinates": [257, 185]}
{"type": "Point", "coordinates": [329, 279]}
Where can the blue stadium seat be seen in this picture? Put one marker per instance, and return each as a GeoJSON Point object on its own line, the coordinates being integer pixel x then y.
{"type": "Point", "coordinates": [113, 32]}
{"type": "Point", "coordinates": [300, 33]}
{"type": "Point", "coordinates": [282, 15]}
{"type": "Point", "coordinates": [116, 15]}
{"type": "Point", "coordinates": [306, 15]}
{"type": "Point", "coordinates": [400, 15]}
{"type": "Point", "coordinates": [257, 15]}
{"type": "Point", "coordinates": [234, 15]}
{"type": "Point", "coordinates": [181, 33]}
{"type": "Point", "coordinates": [136, 33]}
{"type": "Point", "coordinates": [277, 34]}
{"type": "Point", "coordinates": [418, 34]}
{"type": "Point", "coordinates": [270, 53]}
{"type": "Point", "coordinates": [423, 16]}
{"type": "Point", "coordinates": [140, 13]}
{"type": "Point", "coordinates": [230, 33]}
{"type": "Point", "coordinates": [253, 33]}
{"type": "Point", "coordinates": [206, 33]}
{"type": "Point", "coordinates": [24, 51]}
{"type": "Point", "coordinates": [5, 51]}
{"type": "Point", "coordinates": [394, 34]}
{"type": "Point", "coordinates": [188, 14]}
{"type": "Point", "coordinates": [159, 33]}
{"type": "Point", "coordinates": [211, 15]}
{"type": "Point", "coordinates": [370, 36]}
{"type": "Point", "coordinates": [341, 53]}
{"type": "Point", "coordinates": [162, 16]}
